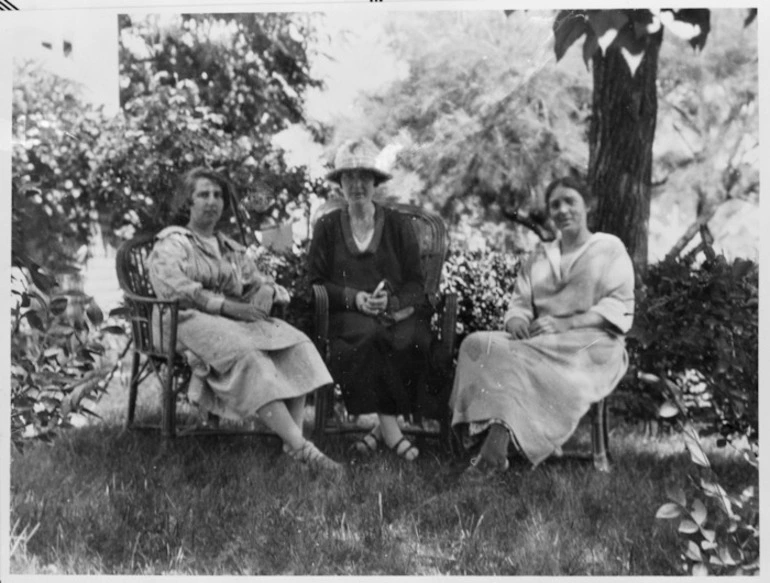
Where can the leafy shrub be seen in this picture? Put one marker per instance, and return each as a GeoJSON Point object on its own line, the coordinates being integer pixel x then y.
{"type": "Point", "coordinates": [719, 530]}
{"type": "Point", "coordinates": [59, 355]}
{"type": "Point", "coordinates": [699, 328]}
{"type": "Point", "coordinates": [55, 131]}
{"type": "Point", "coordinates": [290, 270]}
{"type": "Point", "coordinates": [483, 283]}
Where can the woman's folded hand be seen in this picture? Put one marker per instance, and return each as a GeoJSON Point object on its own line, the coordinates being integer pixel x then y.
{"type": "Point", "coordinates": [371, 305]}
{"type": "Point", "coordinates": [282, 295]}
{"type": "Point", "coordinates": [518, 328]}
{"type": "Point", "coordinates": [548, 325]}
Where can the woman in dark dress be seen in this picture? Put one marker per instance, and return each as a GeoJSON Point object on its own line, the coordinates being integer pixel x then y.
{"type": "Point", "coordinates": [368, 259]}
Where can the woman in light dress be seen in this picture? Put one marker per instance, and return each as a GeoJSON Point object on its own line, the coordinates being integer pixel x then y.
{"type": "Point", "coordinates": [244, 361]}
{"type": "Point", "coordinates": [562, 347]}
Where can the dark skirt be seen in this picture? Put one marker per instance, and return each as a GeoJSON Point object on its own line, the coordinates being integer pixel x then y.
{"type": "Point", "coordinates": [381, 369]}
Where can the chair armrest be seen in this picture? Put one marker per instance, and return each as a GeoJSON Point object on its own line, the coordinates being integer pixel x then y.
{"type": "Point", "coordinates": [321, 320]}
{"type": "Point", "coordinates": [447, 314]}
{"type": "Point", "coordinates": [149, 300]}
{"type": "Point", "coordinates": [149, 337]}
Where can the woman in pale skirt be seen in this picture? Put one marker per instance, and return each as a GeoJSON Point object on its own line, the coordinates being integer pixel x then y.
{"type": "Point", "coordinates": [244, 361]}
{"type": "Point", "coordinates": [562, 348]}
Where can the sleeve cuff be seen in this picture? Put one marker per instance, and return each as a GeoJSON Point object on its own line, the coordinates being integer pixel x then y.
{"type": "Point", "coordinates": [615, 315]}
{"type": "Point", "coordinates": [350, 298]}
{"type": "Point", "coordinates": [517, 313]}
{"type": "Point", "coordinates": [214, 304]}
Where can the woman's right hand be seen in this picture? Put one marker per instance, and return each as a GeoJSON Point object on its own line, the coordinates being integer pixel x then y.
{"type": "Point", "coordinates": [518, 328]}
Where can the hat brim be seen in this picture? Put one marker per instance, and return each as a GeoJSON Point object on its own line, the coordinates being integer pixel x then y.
{"type": "Point", "coordinates": [379, 175]}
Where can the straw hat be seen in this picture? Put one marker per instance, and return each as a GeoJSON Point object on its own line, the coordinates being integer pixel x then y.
{"type": "Point", "coordinates": [357, 155]}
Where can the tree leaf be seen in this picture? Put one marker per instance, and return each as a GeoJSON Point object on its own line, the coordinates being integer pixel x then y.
{"type": "Point", "coordinates": [700, 570]}
{"type": "Point", "coordinates": [95, 314]}
{"type": "Point", "coordinates": [693, 552]}
{"type": "Point", "coordinates": [41, 278]}
{"type": "Point", "coordinates": [61, 330]}
{"type": "Point", "coordinates": [699, 512]}
{"type": "Point", "coordinates": [677, 495]}
{"type": "Point", "coordinates": [648, 378]}
{"type": "Point", "coordinates": [568, 26]}
{"type": "Point", "coordinates": [606, 24]}
{"type": "Point", "coordinates": [590, 46]}
{"type": "Point", "coordinates": [687, 526]}
{"type": "Point", "coordinates": [667, 410]}
{"type": "Point", "coordinates": [113, 330]}
{"type": "Point", "coordinates": [690, 24]}
{"type": "Point", "coordinates": [119, 312]}
{"type": "Point", "coordinates": [668, 510]}
{"type": "Point", "coordinates": [697, 455]}
{"type": "Point", "coordinates": [752, 14]}
{"type": "Point", "coordinates": [34, 320]}
{"type": "Point", "coordinates": [58, 305]}
{"type": "Point", "coordinates": [714, 490]}
{"type": "Point", "coordinates": [725, 556]}
{"type": "Point", "coordinates": [709, 535]}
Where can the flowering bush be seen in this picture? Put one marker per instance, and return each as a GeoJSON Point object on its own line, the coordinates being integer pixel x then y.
{"type": "Point", "coordinates": [483, 283]}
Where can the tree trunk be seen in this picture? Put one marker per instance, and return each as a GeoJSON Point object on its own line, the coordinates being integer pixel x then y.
{"type": "Point", "coordinates": [620, 139]}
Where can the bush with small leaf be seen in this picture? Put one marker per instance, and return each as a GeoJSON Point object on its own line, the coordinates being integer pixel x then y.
{"type": "Point", "coordinates": [59, 355]}
{"type": "Point", "coordinates": [720, 531]}
{"type": "Point", "coordinates": [698, 327]}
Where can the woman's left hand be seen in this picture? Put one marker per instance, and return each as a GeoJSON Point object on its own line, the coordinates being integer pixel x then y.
{"type": "Point", "coordinates": [263, 299]}
{"type": "Point", "coordinates": [282, 295]}
{"type": "Point", "coordinates": [548, 325]}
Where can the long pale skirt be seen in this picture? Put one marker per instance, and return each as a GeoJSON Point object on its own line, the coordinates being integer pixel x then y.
{"type": "Point", "coordinates": [539, 387]}
{"type": "Point", "coordinates": [247, 365]}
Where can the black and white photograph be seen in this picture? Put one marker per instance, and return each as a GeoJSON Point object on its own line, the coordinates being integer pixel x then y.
{"type": "Point", "coordinates": [382, 288]}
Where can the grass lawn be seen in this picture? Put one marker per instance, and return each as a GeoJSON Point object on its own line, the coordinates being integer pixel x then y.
{"type": "Point", "coordinates": [109, 501]}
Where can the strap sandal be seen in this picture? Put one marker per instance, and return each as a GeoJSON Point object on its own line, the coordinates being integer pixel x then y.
{"type": "Point", "coordinates": [482, 470]}
{"type": "Point", "coordinates": [309, 455]}
{"type": "Point", "coordinates": [367, 445]}
{"type": "Point", "coordinates": [405, 449]}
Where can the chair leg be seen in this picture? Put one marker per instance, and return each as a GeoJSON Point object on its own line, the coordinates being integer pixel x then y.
{"type": "Point", "coordinates": [324, 398]}
{"type": "Point", "coordinates": [599, 436]}
{"type": "Point", "coordinates": [446, 435]}
{"type": "Point", "coordinates": [133, 388]}
{"type": "Point", "coordinates": [168, 405]}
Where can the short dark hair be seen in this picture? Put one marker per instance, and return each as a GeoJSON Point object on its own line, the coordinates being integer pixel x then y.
{"type": "Point", "coordinates": [180, 204]}
{"type": "Point", "coordinates": [572, 183]}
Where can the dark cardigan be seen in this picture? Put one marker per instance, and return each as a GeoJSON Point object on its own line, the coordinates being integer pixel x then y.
{"type": "Point", "coordinates": [393, 254]}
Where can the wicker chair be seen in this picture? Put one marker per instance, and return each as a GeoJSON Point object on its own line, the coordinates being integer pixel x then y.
{"type": "Point", "coordinates": [433, 239]}
{"type": "Point", "coordinates": [154, 350]}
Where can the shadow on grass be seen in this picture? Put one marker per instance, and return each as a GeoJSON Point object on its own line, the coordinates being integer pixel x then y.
{"type": "Point", "coordinates": [111, 501]}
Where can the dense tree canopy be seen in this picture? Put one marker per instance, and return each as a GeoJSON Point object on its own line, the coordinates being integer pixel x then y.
{"type": "Point", "coordinates": [55, 133]}
{"type": "Point", "coordinates": [481, 112]}
{"type": "Point", "coordinates": [206, 89]}
{"type": "Point", "coordinates": [195, 89]}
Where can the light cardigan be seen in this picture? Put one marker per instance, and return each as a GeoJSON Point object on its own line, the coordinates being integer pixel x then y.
{"type": "Point", "coordinates": [599, 278]}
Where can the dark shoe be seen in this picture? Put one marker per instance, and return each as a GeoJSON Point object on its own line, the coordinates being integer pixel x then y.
{"type": "Point", "coordinates": [367, 445]}
{"type": "Point", "coordinates": [406, 450]}
{"type": "Point", "coordinates": [482, 470]}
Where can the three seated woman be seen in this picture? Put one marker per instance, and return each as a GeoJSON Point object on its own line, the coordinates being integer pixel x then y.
{"type": "Point", "coordinates": [562, 347]}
